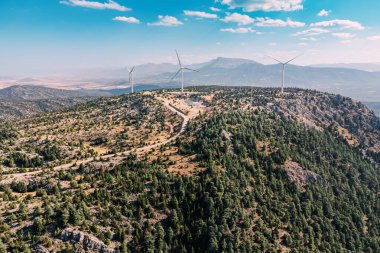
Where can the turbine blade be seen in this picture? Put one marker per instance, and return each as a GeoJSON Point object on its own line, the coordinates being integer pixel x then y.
{"type": "Point", "coordinates": [275, 59]}
{"type": "Point", "coordinates": [293, 59]}
{"type": "Point", "coordinates": [176, 74]}
{"type": "Point", "coordinates": [179, 60]}
{"type": "Point", "coordinates": [133, 68]}
{"type": "Point", "coordinates": [191, 69]}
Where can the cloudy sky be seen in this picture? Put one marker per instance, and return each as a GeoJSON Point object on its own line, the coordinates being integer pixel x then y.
{"type": "Point", "coordinates": [67, 34]}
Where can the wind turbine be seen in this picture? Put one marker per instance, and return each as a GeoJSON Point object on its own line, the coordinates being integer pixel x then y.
{"type": "Point", "coordinates": [180, 70]}
{"type": "Point", "coordinates": [131, 76]}
{"type": "Point", "coordinates": [283, 70]}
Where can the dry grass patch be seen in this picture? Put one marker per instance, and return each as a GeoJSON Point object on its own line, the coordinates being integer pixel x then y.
{"type": "Point", "coordinates": [350, 138]}
{"type": "Point", "coordinates": [266, 147]}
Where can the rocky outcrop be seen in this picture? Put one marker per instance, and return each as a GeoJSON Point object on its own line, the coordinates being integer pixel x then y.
{"type": "Point", "coordinates": [84, 242]}
{"type": "Point", "coordinates": [324, 111]}
{"type": "Point", "coordinates": [300, 176]}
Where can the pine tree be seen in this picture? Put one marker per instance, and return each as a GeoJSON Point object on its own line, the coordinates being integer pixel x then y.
{"type": "Point", "coordinates": [3, 248]}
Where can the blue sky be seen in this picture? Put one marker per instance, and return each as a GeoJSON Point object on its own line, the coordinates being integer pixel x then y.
{"type": "Point", "coordinates": [61, 34]}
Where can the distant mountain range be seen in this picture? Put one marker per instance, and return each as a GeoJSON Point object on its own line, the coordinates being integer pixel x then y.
{"type": "Point", "coordinates": [370, 67]}
{"type": "Point", "coordinates": [344, 79]}
{"type": "Point", "coordinates": [358, 84]}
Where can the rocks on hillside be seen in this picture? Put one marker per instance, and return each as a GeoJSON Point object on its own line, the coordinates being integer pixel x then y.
{"type": "Point", "coordinates": [85, 242]}
{"type": "Point", "coordinates": [322, 111]}
{"type": "Point", "coordinates": [300, 176]}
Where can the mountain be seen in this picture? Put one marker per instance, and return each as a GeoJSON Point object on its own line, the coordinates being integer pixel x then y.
{"type": "Point", "coordinates": [224, 63]}
{"type": "Point", "coordinates": [151, 69]}
{"type": "Point", "coordinates": [340, 79]}
{"type": "Point", "coordinates": [31, 92]}
{"type": "Point", "coordinates": [361, 85]}
{"type": "Point", "coordinates": [370, 67]}
{"type": "Point", "coordinates": [217, 169]}
{"type": "Point", "coordinates": [13, 109]}
{"type": "Point", "coordinates": [28, 100]}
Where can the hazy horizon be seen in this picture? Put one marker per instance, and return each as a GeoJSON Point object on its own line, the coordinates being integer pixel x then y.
{"type": "Point", "coordinates": [73, 71]}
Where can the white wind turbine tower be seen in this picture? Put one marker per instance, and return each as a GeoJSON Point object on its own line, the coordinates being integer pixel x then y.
{"type": "Point", "coordinates": [180, 70]}
{"type": "Point", "coordinates": [131, 76]}
{"type": "Point", "coordinates": [283, 70]}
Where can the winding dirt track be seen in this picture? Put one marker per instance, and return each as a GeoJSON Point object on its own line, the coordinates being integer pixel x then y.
{"type": "Point", "coordinates": [166, 103]}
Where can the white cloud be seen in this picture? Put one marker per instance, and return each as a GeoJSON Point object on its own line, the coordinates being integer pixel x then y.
{"type": "Point", "coordinates": [324, 13]}
{"type": "Point", "coordinates": [309, 39]}
{"type": "Point", "coordinates": [215, 9]}
{"type": "Point", "coordinates": [200, 14]}
{"type": "Point", "coordinates": [272, 44]}
{"type": "Point", "coordinates": [130, 20]}
{"type": "Point", "coordinates": [111, 5]}
{"type": "Point", "coordinates": [241, 19]}
{"type": "Point", "coordinates": [346, 24]}
{"type": "Point", "coordinates": [343, 35]}
{"type": "Point", "coordinates": [311, 32]}
{"type": "Point", "coordinates": [238, 30]}
{"type": "Point", "coordinates": [346, 41]}
{"type": "Point", "coordinates": [166, 21]}
{"type": "Point", "coordinates": [374, 38]}
{"type": "Point", "coordinates": [302, 44]}
{"type": "Point", "coordinates": [265, 5]}
{"type": "Point", "coordinates": [267, 22]}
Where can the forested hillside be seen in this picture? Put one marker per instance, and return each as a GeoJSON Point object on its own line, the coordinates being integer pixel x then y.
{"type": "Point", "coordinates": [34, 92]}
{"type": "Point", "coordinates": [14, 109]}
{"type": "Point", "coordinates": [19, 101]}
{"type": "Point", "coordinates": [248, 174]}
